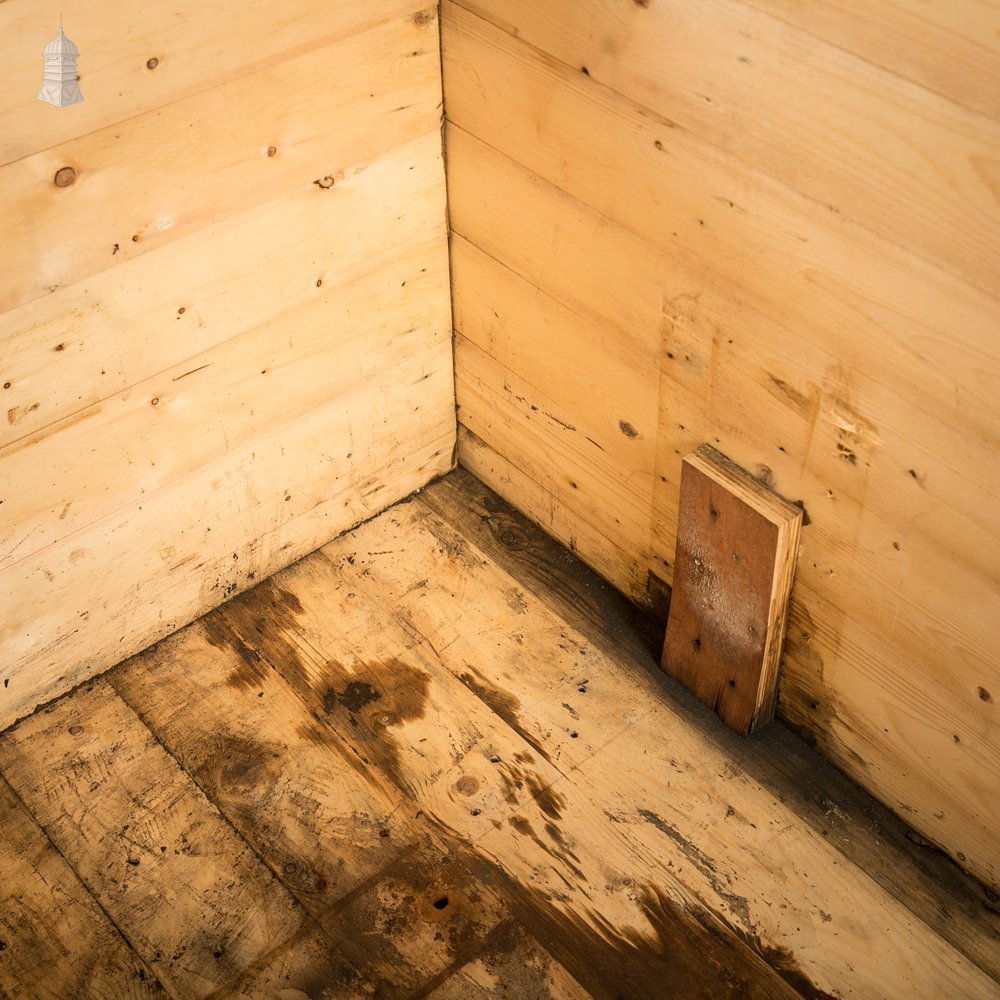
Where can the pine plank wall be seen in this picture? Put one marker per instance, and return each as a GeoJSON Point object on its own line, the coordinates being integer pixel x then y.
{"type": "Point", "coordinates": [775, 227]}
{"type": "Point", "coordinates": [229, 338]}
{"type": "Point", "coordinates": [768, 225]}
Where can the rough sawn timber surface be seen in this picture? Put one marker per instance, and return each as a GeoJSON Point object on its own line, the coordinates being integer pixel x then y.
{"type": "Point", "coordinates": [737, 543]}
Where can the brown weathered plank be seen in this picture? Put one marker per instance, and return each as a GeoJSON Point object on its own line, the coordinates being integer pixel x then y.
{"type": "Point", "coordinates": [470, 613]}
{"type": "Point", "coordinates": [188, 894]}
{"type": "Point", "coordinates": [55, 943]}
{"type": "Point", "coordinates": [452, 743]}
{"type": "Point", "coordinates": [513, 964]}
{"type": "Point", "coordinates": [954, 905]}
{"type": "Point", "coordinates": [896, 481]}
{"type": "Point", "coordinates": [347, 849]}
{"type": "Point", "coordinates": [234, 725]}
{"type": "Point", "coordinates": [737, 542]}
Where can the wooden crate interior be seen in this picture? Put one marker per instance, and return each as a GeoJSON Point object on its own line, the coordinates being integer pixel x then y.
{"type": "Point", "coordinates": [284, 266]}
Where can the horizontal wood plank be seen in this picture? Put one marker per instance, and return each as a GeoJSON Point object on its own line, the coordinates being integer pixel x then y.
{"type": "Point", "coordinates": [951, 49]}
{"type": "Point", "coordinates": [771, 261]}
{"type": "Point", "coordinates": [117, 45]}
{"type": "Point", "coordinates": [187, 547]}
{"type": "Point", "coordinates": [101, 460]}
{"type": "Point", "coordinates": [69, 351]}
{"type": "Point", "coordinates": [324, 113]}
{"type": "Point", "coordinates": [610, 489]}
{"type": "Point", "coordinates": [537, 502]}
{"type": "Point", "coordinates": [308, 806]}
{"type": "Point", "coordinates": [843, 133]}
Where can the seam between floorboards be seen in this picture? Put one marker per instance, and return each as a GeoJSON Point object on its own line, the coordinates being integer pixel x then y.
{"type": "Point", "coordinates": [155, 979]}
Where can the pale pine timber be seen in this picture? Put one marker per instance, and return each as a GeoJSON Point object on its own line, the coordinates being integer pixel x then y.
{"type": "Point", "coordinates": [117, 45]}
{"type": "Point", "coordinates": [158, 310]}
{"type": "Point", "coordinates": [479, 621]}
{"type": "Point", "coordinates": [863, 676]}
{"type": "Point", "coordinates": [830, 125]}
{"type": "Point", "coordinates": [386, 77]}
{"type": "Point", "coordinates": [952, 49]}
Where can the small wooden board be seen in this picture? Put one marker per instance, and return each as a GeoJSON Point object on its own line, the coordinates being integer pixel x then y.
{"type": "Point", "coordinates": [736, 547]}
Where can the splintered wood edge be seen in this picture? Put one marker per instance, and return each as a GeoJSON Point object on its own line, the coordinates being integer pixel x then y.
{"type": "Point", "coordinates": [787, 518]}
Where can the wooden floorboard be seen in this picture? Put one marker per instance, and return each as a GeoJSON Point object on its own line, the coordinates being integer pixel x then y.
{"type": "Point", "coordinates": [437, 759]}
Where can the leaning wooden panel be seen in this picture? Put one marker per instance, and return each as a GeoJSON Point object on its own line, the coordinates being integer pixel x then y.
{"type": "Point", "coordinates": [736, 547]}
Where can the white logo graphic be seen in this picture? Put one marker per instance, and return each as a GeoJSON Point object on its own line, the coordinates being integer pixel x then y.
{"type": "Point", "coordinates": [59, 86]}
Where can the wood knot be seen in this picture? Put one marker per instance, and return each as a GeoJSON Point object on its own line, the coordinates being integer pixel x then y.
{"type": "Point", "coordinates": [64, 177]}
{"type": "Point", "coordinates": [152, 63]}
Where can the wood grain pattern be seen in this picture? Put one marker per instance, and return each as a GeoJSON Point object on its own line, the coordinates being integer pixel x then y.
{"type": "Point", "coordinates": [298, 793]}
{"type": "Point", "coordinates": [396, 739]}
{"type": "Point", "coordinates": [737, 544]}
{"type": "Point", "coordinates": [64, 355]}
{"type": "Point", "coordinates": [948, 48]}
{"type": "Point", "coordinates": [867, 834]}
{"type": "Point", "coordinates": [843, 133]}
{"type": "Point", "coordinates": [193, 544]}
{"type": "Point", "coordinates": [487, 629]}
{"type": "Point", "coordinates": [153, 169]}
{"type": "Point", "coordinates": [194, 901]}
{"type": "Point", "coordinates": [228, 339]}
{"type": "Point", "coordinates": [55, 940]}
{"type": "Point", "coordinates": [813, 346]}
{"type": "Point", "coordinates": [117, 43]}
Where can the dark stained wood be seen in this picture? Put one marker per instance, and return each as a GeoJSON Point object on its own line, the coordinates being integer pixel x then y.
{"type": "Point", "coordinates": [543, 566]}
{"type": "Point", "coordinates": [872, 838]}
{"type": "Point", "coordinates": [511, 964]}
{"type": "Point", "coordinates": [406, 767]}
{"type": "Point", "coordinates": [188, 894]}
{"type": "Point", "coordinates": [736, 548]}
{"type": "Point", "coordinates": [355, 856]}
{"type": "Point", "coordinates": [55, 943]}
